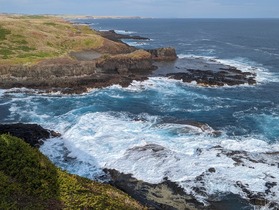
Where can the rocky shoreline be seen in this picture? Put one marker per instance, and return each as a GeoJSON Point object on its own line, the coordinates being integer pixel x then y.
{"type": "Point", "coordinates": [88, 69]}
{"type": "Point", "coordinates": [165, 195]}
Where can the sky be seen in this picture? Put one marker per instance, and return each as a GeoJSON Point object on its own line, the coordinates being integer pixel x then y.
{"type": "Point", "coordinates": [147, 8]}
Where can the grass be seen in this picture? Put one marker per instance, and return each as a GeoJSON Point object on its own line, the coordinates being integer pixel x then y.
{"type": "Point", "coordinates": [28, 39]}
{"type": "Point", "coordinates": [28, 180]}
{"type": "Point", "coordinates": [3, 33]}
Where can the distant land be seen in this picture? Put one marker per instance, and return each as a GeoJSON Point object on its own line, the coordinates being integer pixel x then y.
{"type": "Point", "coordinates": [69, 16]}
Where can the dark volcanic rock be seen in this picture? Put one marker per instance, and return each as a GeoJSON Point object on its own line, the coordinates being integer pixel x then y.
{"type": "Point", "coordinates": [210, 78]}
{"type": "Point", "coordinates": [31, 133]}
{"type": "Point", "coordinates": [112, 35]}
{"type": "Point", "coordinates": [166, 195]}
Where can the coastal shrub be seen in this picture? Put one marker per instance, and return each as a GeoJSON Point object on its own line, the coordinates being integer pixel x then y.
{"type": "Point", "coordinates": [25, 48]}
{"type": "Point", "coordinates": [20, 41]}
{"type": "Point", "coordinates": [3, 33]}
{"type": "Point", "coordinates": [37, 54]}
{"type": "Point", "coordinates": [50, 24]}
{"type": "Point", "coordinates": [28, 180]}
{"type": "Point", "coordinates": [5, 53]}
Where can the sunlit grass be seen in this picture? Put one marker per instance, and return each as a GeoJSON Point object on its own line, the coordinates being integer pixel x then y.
{"type": "Point", "coordinates": [31, 38]}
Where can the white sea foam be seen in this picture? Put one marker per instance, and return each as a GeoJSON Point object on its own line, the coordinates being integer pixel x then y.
{"type": "Point", "coordinates": [125, 32]}
{"type": "Point", "coordinates": [2, 91]}
{"type": "Point", "coordinates": [95, 140]}
{"type": "Point", "coordinates": [114, 140]}
{"type": "Point", "coordinates": [245, 65]}
{"type": "Point", "coordinates": [135, 43]}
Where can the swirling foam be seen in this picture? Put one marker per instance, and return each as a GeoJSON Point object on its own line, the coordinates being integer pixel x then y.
{"type": "Point", "coordinates": [113, 140]}
{"type": "Point", "coordinates": [245, 65]}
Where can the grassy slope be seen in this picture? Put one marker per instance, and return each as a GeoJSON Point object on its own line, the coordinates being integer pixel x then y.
{"type": "Point", "coordinates": [28, 180]}
{"type": "Point", "coordinates": [29, 39]}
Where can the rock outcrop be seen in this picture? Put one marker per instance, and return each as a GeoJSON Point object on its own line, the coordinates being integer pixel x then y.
{"type": "Point", "coordinates": [112, 35]}
{"type": "Point", "coordinates": [32, 134]}
{"type": "Point", "coordinates": [75, 76]}
{"type": "Point", "coordinates": [139, 62]}
{"type": "Point", "coordinates": [163, 54]}
{"type": "Point", "coordinates": [230, 77]}
{"type": "Point", "coordinates": [166, 195]}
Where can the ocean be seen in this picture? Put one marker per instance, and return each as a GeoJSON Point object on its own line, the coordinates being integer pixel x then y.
{"type": "Point", "coordinates": [105, 128]}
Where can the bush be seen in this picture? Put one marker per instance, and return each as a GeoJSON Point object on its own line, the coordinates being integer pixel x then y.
{"type": "Point", "coordinates": [3, 33]}
{"type": "Point", "coordinates": [28, 180]}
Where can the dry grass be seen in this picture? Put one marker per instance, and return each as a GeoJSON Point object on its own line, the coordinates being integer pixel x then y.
{"type": "Point", "coordinates": [29, 39]}
{"type": "Point", "coordinates": [138, 54]}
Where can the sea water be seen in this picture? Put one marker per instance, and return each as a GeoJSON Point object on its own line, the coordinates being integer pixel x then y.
{"type": "Point", "coordinates": [105, 128]}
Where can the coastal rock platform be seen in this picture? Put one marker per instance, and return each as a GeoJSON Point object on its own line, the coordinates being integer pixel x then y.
{"type": "Point", "coordinates": [205, 72]}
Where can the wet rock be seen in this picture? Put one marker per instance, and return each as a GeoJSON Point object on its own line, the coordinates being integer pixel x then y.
{"type": "Point", "coordinates": [206, 72]}
{"type": "Point", "coordinates": [212, 170]}
{"type": "Point", "coordinates": [258, 200]}
{"type": "Point", "coordinates": [229, 202]}
{"type": "Point", "coordinates": [166, 195]}
{"type": "Point", "coordinates": [32, 134]}
{"type": "Point", "coordinates": [203, 127]}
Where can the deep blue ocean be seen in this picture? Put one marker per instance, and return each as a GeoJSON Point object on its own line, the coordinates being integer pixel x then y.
{"type": "Point", "coordinates": [104, 128]}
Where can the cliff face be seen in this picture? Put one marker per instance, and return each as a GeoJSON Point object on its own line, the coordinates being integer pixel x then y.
{"type": "Point", "coordinates": [163, 54]}
{"type": "Point", "coordinates": [73, 76]}
{"type": "Point", "coordinates": [137, 62]}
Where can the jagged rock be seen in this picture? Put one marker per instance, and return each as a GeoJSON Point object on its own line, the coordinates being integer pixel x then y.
{"type": "Point", "coordinates": [32, 134]}
{"type": "Point", "coordinates": [166, 195]}
{"type": "Point", "coordinates": [163, 54]}
{"type": "Point", "coordinates": [112, 35]}
{"type": "Point", "coordinates": [210, 78]}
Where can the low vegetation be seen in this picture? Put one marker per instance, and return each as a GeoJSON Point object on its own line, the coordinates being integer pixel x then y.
{"type": "Point", "coordinates": [28, 180]}
{"type": "Point", "coordinates": [28, 39]}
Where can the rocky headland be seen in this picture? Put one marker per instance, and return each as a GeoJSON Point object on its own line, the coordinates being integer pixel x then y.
{"type": "Point", "coordinates": [56, 55]}
{"type": "Point", "coordinates": [73, 61]}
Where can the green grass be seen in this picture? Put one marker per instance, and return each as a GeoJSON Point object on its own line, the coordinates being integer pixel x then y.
{"type": "Point", "coordinates": [3, 33]}
{"type": "Point", "coordinates": [50, 24]}
{"type": "Point", "coordinates": [28, 180]}
{"type": "Point", "coordinates": [45, 37]}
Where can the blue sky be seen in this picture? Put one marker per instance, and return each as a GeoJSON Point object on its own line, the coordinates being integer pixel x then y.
{"type": "Point", "coordinates": [148, 8]}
